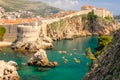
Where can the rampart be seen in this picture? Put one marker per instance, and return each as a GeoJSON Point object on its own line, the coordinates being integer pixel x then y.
{"type": "Point", "coordinates": [27, 33]}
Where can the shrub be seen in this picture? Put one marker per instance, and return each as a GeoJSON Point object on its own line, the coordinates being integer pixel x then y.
{"type": "Point", "coordinates": [2, 32]}
{"type": "Point", "coordinates": [110, 19]}
{"type": "Point", "coordinates": [103, 41]}
{"type": "Point", "coordinates": [84, 17]}
{"type": "Point", "coordinates": [92, 17]}
{"type": "Point", "coordinates": [89, 54]}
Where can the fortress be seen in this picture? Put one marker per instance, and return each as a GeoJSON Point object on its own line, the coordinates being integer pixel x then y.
{"type": "Point", "coordinates": [98, 11]}
{"type": "Point", "coordinates": [27, 33]}
{"type": "Point", "coordinates": [30, 32]}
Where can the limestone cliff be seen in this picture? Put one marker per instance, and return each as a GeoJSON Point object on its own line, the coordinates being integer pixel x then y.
{"type": "Point", "coordinates": [78, 26]}
{"type": "Point", "coordinates": [109, 62]}
{"type": "Point", "coordinates": [40, 37]}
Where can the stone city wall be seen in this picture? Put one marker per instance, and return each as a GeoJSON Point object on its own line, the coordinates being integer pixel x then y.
{"type": "Point", "coordinates": [27, 33]}
{"type": "Point", "coordinates": [11, 33]}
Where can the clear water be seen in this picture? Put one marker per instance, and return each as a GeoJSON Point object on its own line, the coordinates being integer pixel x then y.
{"type": "Point", "coordinates": [65, 71]}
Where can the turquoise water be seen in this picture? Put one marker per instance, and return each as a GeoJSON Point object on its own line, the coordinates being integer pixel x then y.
{"type": "Point", "coordinates": [70, 70]}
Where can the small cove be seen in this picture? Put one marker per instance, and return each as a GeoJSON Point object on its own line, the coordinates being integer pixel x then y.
{"type": "Point", "coordinates": [64, 49]}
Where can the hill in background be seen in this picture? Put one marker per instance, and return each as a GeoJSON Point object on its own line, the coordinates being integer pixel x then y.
{"type": "Point", "coordinates": [38, 8]}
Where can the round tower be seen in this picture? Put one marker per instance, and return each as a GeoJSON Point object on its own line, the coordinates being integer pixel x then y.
{"type": "Point", "coordinates": [27, 33]}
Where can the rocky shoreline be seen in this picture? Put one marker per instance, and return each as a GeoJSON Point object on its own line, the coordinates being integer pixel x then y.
{"type": "Point", "coordinates": [108, 63]}
{"type": "Point", "coordinates": [4, 44]}
{"type": "Point", "coordinates": [64, 29]}
{"type": "Point", "coordinates": [8, 70]}
{"type": "Point", "coordinates": [68, 28]}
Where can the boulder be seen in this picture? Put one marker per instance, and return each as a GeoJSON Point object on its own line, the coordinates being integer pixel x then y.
{"type": "Point", "coordinates": [40, 59]}
{"type": "Point", "coordinates": [8, 70]}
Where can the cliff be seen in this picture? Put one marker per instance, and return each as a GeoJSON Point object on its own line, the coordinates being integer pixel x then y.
{"type": "Point", "coordinates": [80, 25]}
{"type": "Point", "coordinates": [67, 27]}
{"type": "Point", "coordinates": [108, 63]}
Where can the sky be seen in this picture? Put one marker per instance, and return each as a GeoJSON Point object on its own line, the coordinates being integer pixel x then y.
{"type": "Point", "coordinates": [112, 5]}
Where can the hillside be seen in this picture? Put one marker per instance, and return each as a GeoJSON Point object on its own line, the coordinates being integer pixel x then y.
{"type": "Point", "coordinates": [36, 7]}
{"type": "Point", "coordinates": [117, 17]}
{"type": "Point", "coordinates": [81, 26]}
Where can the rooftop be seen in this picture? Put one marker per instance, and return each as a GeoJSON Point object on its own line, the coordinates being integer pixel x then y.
{"type": "Point", "coordinates": [19, 20]}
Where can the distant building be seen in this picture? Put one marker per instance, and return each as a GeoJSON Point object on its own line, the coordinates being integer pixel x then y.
{"type": "Point", "coordinates": [88, 8]}
{"type": "Point", "coordinates": [98, 11]}
{"type": "Point", "coordinates": [11, 17]}
{"type": "Point", "coordinates": [2, 11]}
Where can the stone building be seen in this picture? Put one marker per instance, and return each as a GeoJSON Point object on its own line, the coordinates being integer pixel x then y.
{"type": "Point", "coordinates": [102, 12]}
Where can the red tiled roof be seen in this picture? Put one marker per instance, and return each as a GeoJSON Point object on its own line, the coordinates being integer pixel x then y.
{"type": "Point", "coordinates": [19, 20]}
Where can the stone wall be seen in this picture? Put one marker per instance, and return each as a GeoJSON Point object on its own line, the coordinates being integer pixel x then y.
{"type": "Point", "coordinates": [27, 33]}
{"type": "Point", "coordinates": [11, 33]}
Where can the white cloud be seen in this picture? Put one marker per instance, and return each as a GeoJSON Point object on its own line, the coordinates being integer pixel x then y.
{"type": "Point", "coordinates": [64, 4]}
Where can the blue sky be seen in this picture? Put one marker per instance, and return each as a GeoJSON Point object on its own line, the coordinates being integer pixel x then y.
{"type": "Point", "coordinates": [112, 5]}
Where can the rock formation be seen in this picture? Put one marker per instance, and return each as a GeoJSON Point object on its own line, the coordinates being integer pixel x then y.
{"type": "Point", "coordinates": [33, 38]}
{"type": "Point", "coordinates": [40, 59]}
{"type": "Point", "coordinates": [8, 70]}
{"type": "Point", "coordinates": [109, 62]}
{"type": "Point", "coordinates": [77, 26]}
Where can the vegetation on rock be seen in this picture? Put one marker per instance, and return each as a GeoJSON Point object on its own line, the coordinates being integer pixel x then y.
{"type": "Point", "coordinates": [89, 54]}
{"type": "Point", "coordinates": [108, 63]}
{"type": "Point", "coordinates": [103, 42]}
{"type": "Point", "coordinates": [109, 19]}
{"type": "Point", "coordinates": [2, 32]}
{"type": "Point", "coordinates": [91, 17]}
{"type": "Point", "coordinates": [58, 25]}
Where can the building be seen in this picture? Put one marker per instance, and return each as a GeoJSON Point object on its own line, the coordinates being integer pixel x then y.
{"type": "Point", "coordinates": [88, 8]}
{"type": "Point", "coordinates": [101, 12]}
{"type": "Point", "coordinates": [28, 33]}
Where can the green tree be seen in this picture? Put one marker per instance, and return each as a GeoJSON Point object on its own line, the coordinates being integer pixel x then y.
{"type": "Point", "coordinates": [2, 32]}
{"type": "Point", "coordinates": [92, 17]}
{"type": "Point", "coordinates": [103, 41]}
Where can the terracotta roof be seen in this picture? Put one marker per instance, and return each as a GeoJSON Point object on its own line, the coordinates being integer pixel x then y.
{"type": "Point", "coordinates": [19, 20]}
